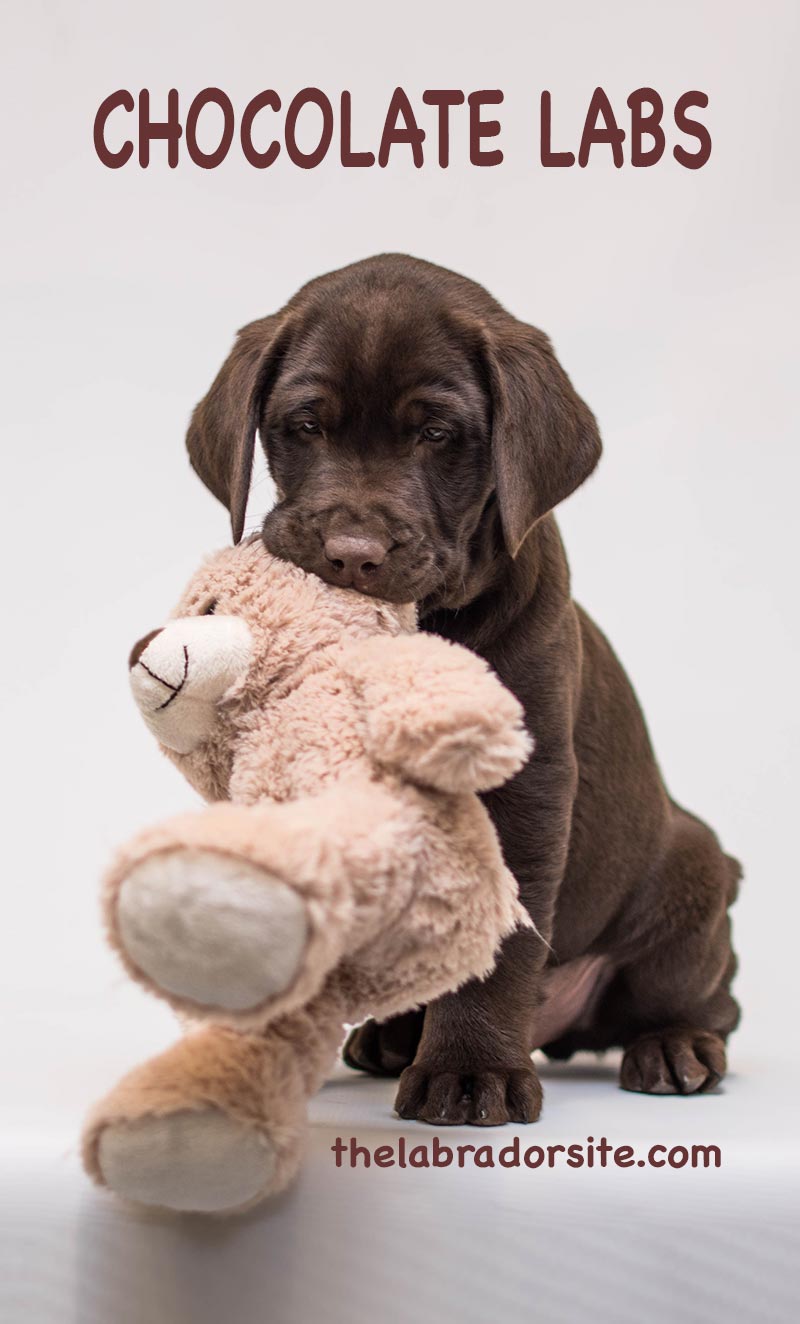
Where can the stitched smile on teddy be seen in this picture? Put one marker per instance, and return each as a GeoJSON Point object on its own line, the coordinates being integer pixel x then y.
{"type": "Point", "coordinates": [176, 689]}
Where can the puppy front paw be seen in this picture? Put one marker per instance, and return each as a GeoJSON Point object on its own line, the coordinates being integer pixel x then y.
{"type": "Point", "coordinates": [484, 1097]}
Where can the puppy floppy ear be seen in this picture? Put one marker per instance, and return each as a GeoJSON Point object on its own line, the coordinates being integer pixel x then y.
{"type": "Point", "coordinates": [545, 440]}
{"type": "Point", "coordinates": [222, 431]}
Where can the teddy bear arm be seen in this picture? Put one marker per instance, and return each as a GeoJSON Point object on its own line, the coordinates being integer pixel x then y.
{"type": "Point", "coordinates": [436, 713]}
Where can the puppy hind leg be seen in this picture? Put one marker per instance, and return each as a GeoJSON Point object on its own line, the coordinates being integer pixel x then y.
{"type": "Point", "coordinates": [679, 989]}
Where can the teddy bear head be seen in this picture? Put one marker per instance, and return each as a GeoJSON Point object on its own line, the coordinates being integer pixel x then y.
{"type": "Point", "coordinates": [244, 623]}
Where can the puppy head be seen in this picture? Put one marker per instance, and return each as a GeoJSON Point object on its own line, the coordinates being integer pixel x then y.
{"type": "Point", "coordinates": [416, 432]}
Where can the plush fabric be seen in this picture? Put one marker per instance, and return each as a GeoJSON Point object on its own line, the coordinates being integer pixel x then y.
{"type": "Point", "coordinates": [343, 866]}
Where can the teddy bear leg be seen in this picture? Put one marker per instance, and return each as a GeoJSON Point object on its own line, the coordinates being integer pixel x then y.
{"type": "Point", "coordinates": [215, 1124]}
{"type": "Point", "coordinates": [239, 913]}
{"type": "Point", "coordinates": [211, 929]}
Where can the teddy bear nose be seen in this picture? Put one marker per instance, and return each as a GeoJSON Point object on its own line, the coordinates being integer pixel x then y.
{"type": "Point", "coordinates": [140, 646]}
{"type": "Point", "coordinates": [354, 556]}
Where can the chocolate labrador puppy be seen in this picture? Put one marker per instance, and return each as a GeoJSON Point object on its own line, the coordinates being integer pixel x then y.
{"type": "Point", "coordinates": [419, 437]}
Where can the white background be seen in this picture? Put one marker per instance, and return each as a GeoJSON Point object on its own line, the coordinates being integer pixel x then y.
{"type": "Point", "coordinates": [671, 297]}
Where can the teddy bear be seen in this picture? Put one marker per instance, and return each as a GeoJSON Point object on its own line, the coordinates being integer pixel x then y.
{"type": "Point", "coordinates": [343, 865]}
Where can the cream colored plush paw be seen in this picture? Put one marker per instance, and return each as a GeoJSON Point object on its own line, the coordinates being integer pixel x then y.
{"type": "Point", "coordinates": [199, 1162]}
{"type": "Point", "coordinates": [212, 929]}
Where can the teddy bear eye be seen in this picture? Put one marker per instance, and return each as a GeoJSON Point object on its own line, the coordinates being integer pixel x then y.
{"type": "Point", "coordinates": [210, 608]}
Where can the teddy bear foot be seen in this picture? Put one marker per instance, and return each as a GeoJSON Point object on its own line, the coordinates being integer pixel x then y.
{"type": "Point", "coordinates": [210, 929]}
{"type": "Point", "coordinates": [190, 1161]}
{"type": "Point", "coordinates": [214, 1124]}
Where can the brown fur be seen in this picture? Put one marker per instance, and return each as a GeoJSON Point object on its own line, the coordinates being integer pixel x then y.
{"type": "Point", "coordinates": [607, 863]}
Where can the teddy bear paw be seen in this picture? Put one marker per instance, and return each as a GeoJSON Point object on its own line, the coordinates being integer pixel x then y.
{"type": "Point", "coordinates": [211, 930]}
{"type": "Point", "coordinates": [199, 1161]}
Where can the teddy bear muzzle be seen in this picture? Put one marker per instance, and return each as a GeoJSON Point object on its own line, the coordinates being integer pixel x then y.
{"type": "Point", "coordinates": [180, 673]}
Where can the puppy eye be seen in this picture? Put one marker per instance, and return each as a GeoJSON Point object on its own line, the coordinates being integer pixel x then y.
{"type": "Point", "coordinates": [310, 427]}
{"type": "Point", "coordinates": [433, 434]}
{"type": "Point", "coordinates": [210, 608]}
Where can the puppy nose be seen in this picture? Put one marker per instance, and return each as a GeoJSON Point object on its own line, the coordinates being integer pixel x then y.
{"type": "Point", "coordinates": [140, 646]}
{"type": "Point", "coordinates": [353, 555]}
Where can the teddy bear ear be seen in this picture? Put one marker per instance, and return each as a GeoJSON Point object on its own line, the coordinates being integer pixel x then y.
{"type": "Point", "coordinates": [222, 431]}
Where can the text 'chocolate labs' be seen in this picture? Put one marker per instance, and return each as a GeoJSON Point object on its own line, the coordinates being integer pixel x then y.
{"type": "Point", "coordinates": [309, 129]}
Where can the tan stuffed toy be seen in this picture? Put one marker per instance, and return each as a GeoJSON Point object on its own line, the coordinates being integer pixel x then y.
{"type": "Point", "coordinates": [345, 866]}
